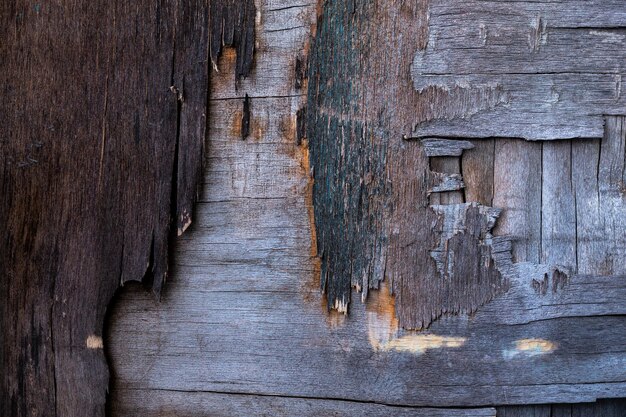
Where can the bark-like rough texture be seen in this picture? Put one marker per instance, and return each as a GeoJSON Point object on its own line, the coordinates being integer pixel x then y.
{"type": "Point", "coordinates": [103, 124]}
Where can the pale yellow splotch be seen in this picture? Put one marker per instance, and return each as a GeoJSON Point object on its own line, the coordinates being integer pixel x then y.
{"type": "Point", "coordinates": [420, 343]}
{"type": "Point", "coordinates": [530, 347]}
{"type": "Point", "coordinates": [94, 342]}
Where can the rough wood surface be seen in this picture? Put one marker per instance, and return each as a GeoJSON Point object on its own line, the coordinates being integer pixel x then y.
{"type": "Point", "coordinates": [155, 403]}
{"type": "Point", "coordinates": [519, 68]}
{"type": "Point", "coordinates": [371, 191]}
{"type": "Point", "coordinates": [103, 124]}
{"type": "Point", "coordinates": [243, 314]}
{"type": "Point", "coordinates": [242, 328]}
{"type": "Point", "coordinates": [603, 408]}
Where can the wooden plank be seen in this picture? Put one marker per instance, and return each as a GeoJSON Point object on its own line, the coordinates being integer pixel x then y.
{"type": "Point", "coordinates": [478, 166]}
{"type": "Point", "coordinates": [357, 154]}
{"type": "Point", "coordinates": [600, 202]}
{"type": "Point", "coordinates": [502, 105]}
{"type": "Point", "coordinates": [601, 408]}
{"type": "Point", "coordinates": [518, 194]}
{"type": "Point", "coordinates": [448, 165]}
{"type": "Point", "coordinates": [499, 65]}
{"type": "Point", "coordinates": [151, 403]}
{"type": "Point", "coordinates": [525, 411]}
{"type": "Point", "coordinates": [244, 315]}
{"type": "Point", "coordinates": [103, 115]}
{"type": "Point", "coordinates": [558, 206]}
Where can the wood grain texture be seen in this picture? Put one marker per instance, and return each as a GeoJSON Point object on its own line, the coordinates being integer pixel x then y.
{"type": "Point", "coordinates": [152, 403]}
{"type": "Point", "coordinates": [243, 315]}
{"type": "Point", "coordinates": [371, 192]}
{"type": "Point", "coordinates": [103, 117]}
{"type": "Point", "coordinates": [519, 69]}
{"type": "Point", "coordinates": [602, 408]}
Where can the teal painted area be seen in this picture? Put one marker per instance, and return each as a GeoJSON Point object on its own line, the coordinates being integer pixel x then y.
{"type": "Point", "coordinates": [347, 155]}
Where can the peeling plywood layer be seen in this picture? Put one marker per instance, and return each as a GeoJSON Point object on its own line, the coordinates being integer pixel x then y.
{"type": "Point", "coordinates": [104, 116]}
{"type": "Point", "coordinates": [533, 70]}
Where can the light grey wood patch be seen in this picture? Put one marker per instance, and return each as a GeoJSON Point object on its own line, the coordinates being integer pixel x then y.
{"type": "Point", "coordinates": [558, 206]}
{"type": "Point", "coordinates": [533, 107]}
{"type": "Point", "coordinates": [445, 147]}
{"type": "Point", "coordinates": [517, 191]}
{"type": "Point", "coordinates": [445, 182]}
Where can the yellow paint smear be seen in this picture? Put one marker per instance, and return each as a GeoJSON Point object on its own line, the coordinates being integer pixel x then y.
{"type": "Point", "coordinates": [420, 343]}
{"type": "Point", "coordinates": [536, 346]}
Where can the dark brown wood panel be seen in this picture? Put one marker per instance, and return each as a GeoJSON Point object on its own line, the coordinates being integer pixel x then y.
{"type": "Point", "coordinates": [103, 117]}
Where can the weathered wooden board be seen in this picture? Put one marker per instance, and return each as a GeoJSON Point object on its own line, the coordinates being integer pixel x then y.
{"type": "Point", "coordinates": [103, 124]}
{"type": "Point", "coordinates": [371, 191]}
{"type": "Point", "coordinates": [243, 329]}
{"type": "Point", "coordinates": [522, 69]}
{"type": "Point", "coordinates": [153, 403]}
{"type": "Point", "coordinates": [243, 314]}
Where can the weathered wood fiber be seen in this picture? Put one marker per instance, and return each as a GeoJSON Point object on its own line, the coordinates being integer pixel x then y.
{"type": "Point", "coordinates": [103, 116]}
{"type": "Point", "coordinates": [370, 194]}
{"type": "Point", "coordinates": [600, 204]}
{"type": "Point", "coordinates": [153, 403]}
{"type": "Point", "coordinates": [517, 191]}
{"type": "Point", "coordinates": [371, 206]}
{"type": "Point", "coordinates": [355, 132]}
{"type": "Point", "coordinates": [478, 168]}
{"type": "Point", "coordinates": [558, 206]}
{"type": "Point", "coordinates": [232, 24]}
{"type": "Point", "coordinates": [468, 276]}
{"type": "Point", "coordinates": [450, 166]}
{"type": "Point", "coordinates": [502, 64]}
{"type": "Point", "coordinates": [243, 314]}
{"type": "Point", "coordinates": [445, 147]}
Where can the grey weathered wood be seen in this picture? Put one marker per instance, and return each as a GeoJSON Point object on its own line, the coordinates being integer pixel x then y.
{"type": "Point", "coordinates": [243, 320]}
{"type": "Point", "coordinates": [445, 147]}
{"type": "Point", "coordinates": [445, 182]}
{"type": "Point", "coordinates": [153, 403]}
{"type": "Point", "coordinates": [517, 69]}
{"type": "Point", "coordinates": [600, 201]}
{"type": "Point", "coordinates": [243, 313]}
{"type": "Point", "coordinates": [517, 191]}
{"type": "Point", "coordinates": [558, 206]}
